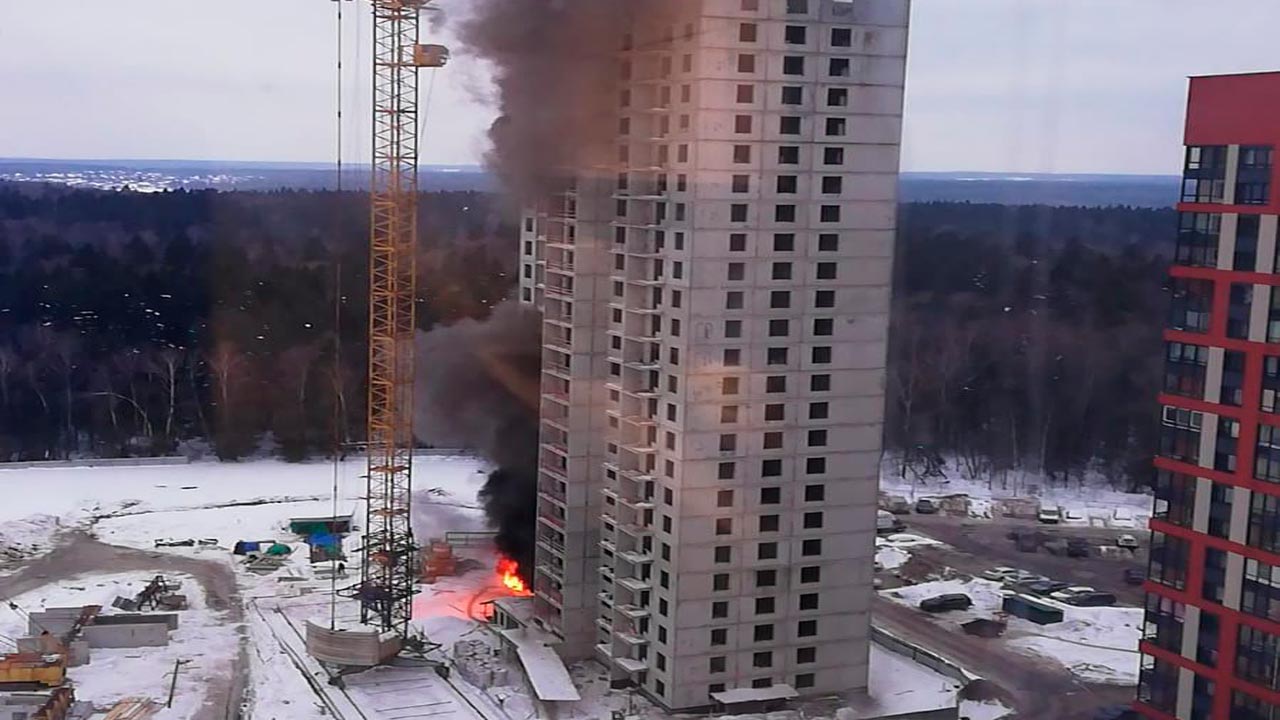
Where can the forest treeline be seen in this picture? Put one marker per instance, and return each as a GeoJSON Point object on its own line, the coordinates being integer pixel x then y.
{"type": "Point", "coordinates": [135, 324]}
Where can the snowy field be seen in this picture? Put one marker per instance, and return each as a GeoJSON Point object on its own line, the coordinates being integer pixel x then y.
{"type": "Point", "coordinates": [1096, 644]}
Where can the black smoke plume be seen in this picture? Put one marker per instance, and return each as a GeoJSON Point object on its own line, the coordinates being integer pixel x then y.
{"type": "Point", "coordinates": [478, 385]}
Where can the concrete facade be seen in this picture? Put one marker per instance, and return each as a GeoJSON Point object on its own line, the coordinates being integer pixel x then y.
{"type": "Point", "coordinates": [715, 331]}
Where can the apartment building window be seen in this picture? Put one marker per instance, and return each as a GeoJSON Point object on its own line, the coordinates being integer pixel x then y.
{"type": "Point", "coordinates": [1215, 575]}
{"type": "Point", "coordinates": [1264, 521]}
{"type": "Point", "coordinates": [673, 356]}
{"type": "Point", "coordinates": [833, 156]}
{"type": "Point", "coordinates": [792, 95]}
{"type": "Point", "coordinates": [815, 493]}
{"type": "Point", "coordinates": [766, 551]}
{"type": "Point", "coordinates": [824, 299]}
{"type": "Point", "coordinates": [819, 383]}
{"type": "Point", "coordinates": [841, 37]}
{"type": "Point", "coordinates": [807, 628]}
{"type": "Point", "coordinates": [784, 213]}
{"type": "Point", "coordinates": [784, 242]}
{"type": "Point", "coordinates": [827, 271]}
{"type": "Point", "coordinates": [664, 578]}
{"type": "Point", "coordinates": [770, 523]}
{"type": "Point", "coordinates": [1185, 369]}
{"type": "Point", "coordinates": [1258, 657]}
{"type": "Point", "coordinates": [821, 355]}
{"type": "Point", "coordinates": [682, 153]}
{"type": "Point", "coordinates": [1245, 257]}
{"type": "Point", "coordinates": [779, 328]}
{"type": "Point", "coordinates": [1168, 560]}
{"type": "Point", "coordinates": [1253, 175]}
{"type": "Point", "coordinates": [742, 154]}
{"type": "Point", "coordinates": [762, 633]}
{"type": "Point", "coordinates": [719, 609]}
{"type": "Point", "coordinates": [720, 636]}
{"type": "Point", "coordinates": [722, 554]}
{"type": "Point", "coordinates": [736, 271]}
{"type": "Point", "coordinates": [788, 125]}
{"type": "Point", "coordinates": [1224, 451]}
{"type": "Point", "coordinates": [1175, 495]}
{"type": "Point", "coordinates": [1231, 390]}
{"type": "Point", "coordinates": [1260, 591]}
{"type": "Point", "coordinates": [719, 583]}
{"type": "Point", "coordinates": [742, 124]}
{"type": "Point", "coordinates": [775, 384]}
{"type": "Point", "coordinates": [781, 271]}
{"type": "Point", "coordinates": [738, 212]}
{"type": "Point", "coordinates": [746, 63]}
{"type": "Point", "coordinates": [1198, 235]}
{"type": "Point", "coordinates": [1239, 307]}
{"type": "Point", "coordinates": [716, 664]}
{"type": "Point", "coordinates": [815, 465]}
{"type": "Point", "coordinates": [796, 34]}
{"type": "Point", "coordinates": [776, 356]}
{"type": "Point", "coordinates": [732, 357]}
{"type": "Point", "coordinates": [788, 184]}
{"type": "Point", "coordinates": [729, 385]}
{"type": "Point", "coordinates": [811, 547]}
{"type": "Point", "coordinates": [746, 94]}
{"type": "Point", "coordinates": [797, 7]}
{"type": "Point", "coordinates": [734, 300]}
{"type": "Point", "coordinates": [737, 242]}
{"type": "Point", "coordinates": [789, 155]}
{"type": "Point", "coordinates": [762, 659]}
{"type": "Point", "coordinates": [1204, 175]}
{"type": "Point", "coordinates": [780, 299]}
{"type": "Point", "coordinates": [1270, 382]}
{"type": "Point", "coordinates": [813, 520]}
{"type": "Point", "coordinates": [728, 443]}
{"type": "Point", "coordinates": [829, 213]}
{"type": "Point", "coordinates": [810, 574]}
{"type": "Point", "coordinates": [793, 65]}
{"type": "Point", "coordinates": [1180, 434]}
{"type": "Point", "coordinates": [772, 441]}
{"type": "Point", "coordinates": [1267, 457]}
{"type": "Point", "coordinates": [1162, 623]}
{"type": "Point", "coordinates": [1192, 300]}
{"type": "Point", "coordinates": [741, 183]}
{"type": "Point", "coordinates": [838, 97]}
{"type": "Point", "coordinates": [663, 606]}
{"type": "Point", "coordinates": [808, 601]}
{"type": "Point", "coordinates": [748, 32]}
{"type": "Point", "coordinates": [840, 67]}
{"type": "Point", "coordinates": [771, 495]}
{"type": "Point", "coordinates": [1158, 683]}
{"type": "Point", "coordinates": [1247, 707]}
{"type": "Point", "coordinates": [819, 410]}
{"type": "Point", "coordinates": [832, 185]}
{"type": "Point", "coordinates": [1273, 316]}
{"type": "Point", "coordinates": [766, 578]}
{"type": "Point", "coordinates": [775, 412]}
{"type": "Point", "coordinates": [729, 414]}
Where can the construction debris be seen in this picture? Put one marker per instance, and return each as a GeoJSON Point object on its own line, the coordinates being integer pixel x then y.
{"type": "Point", "coordinates": [479, 663]}
{"type": "Point", "coordinates": [132, 709]}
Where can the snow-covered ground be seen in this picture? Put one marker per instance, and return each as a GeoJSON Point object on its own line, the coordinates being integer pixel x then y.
{"type": "Point", "coordinates": [1097, 644]}
{"type": "Point", "coordinates": [204, 644]}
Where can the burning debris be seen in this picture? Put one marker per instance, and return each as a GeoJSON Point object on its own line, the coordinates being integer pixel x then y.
{"type": "Point", "coordinates": [509, 571]}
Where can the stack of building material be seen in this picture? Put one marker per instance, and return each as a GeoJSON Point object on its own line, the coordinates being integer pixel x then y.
{"type": "Point", "coordinates": [132, 709]}
{"type": "Point", "coordinates": [479, 664]}
{"type": "Point", "coordinates": [438, 561]}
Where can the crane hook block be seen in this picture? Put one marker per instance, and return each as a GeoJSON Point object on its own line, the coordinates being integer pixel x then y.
{"type": "Point", "coordinates": [430, 56]}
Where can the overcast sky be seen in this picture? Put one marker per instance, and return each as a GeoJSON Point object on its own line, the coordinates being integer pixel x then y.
{"type": "Point", "coordinates": [993, 85]}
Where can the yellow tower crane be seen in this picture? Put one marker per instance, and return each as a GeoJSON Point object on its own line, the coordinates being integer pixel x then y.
{"type": "Point", "coordinates": [389, 568]}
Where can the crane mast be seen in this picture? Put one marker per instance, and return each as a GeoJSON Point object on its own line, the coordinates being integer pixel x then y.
{"type": "Point", "coordinates": [389, 568]}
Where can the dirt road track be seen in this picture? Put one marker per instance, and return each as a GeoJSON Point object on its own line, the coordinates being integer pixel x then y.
{"type": "Point", "coordinates": [1035, 689]}
{"type": "Point", "coordinates": [77, 553]}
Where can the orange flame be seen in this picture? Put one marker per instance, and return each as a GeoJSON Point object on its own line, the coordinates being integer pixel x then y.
{"type": "Point", "coordinates": [507, 570]}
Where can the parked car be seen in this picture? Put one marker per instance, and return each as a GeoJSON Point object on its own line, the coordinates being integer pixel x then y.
{"type": "Point", "coordinates": [1049, 515]}
{"type": "Point", "coordinates": [1078, 548]}
{"type": "Point", "coordinates": [925, 506]}
{"type": "Point", "coordinates": [1045, 588]}
{"type": "Point", "coordinates": [998, 574]}
{"type": "Point", "coordinates": [1122, 517]}
{"type": "Point", "coordinates": [943, 603]}
{"type": "Point", "coordinates": [1074, 516]}
{"type": "Point", "coordinates": [887, 523]}
{"type": "Point", "coordinates": [1127, 541]}
{"type": "Point", "coordinates": [1021, 577]}
{"type": "Point", "coordinates": [1135, 576]}
{"type": "Point", "coordinates": [898, 505]}
{"type": "Point", "coordinates": [1067, 593]}
{"type": "Point", "coordinates": [1092, 599]}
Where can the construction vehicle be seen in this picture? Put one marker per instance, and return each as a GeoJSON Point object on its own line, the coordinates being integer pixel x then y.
{"type": "Point", "coordinates": [46, 665]}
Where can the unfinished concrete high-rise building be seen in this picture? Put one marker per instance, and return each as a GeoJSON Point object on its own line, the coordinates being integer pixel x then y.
{"type": "Point", "coordinates": [716, 309]}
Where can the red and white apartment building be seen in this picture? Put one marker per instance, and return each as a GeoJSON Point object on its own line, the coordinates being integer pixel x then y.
{"type": "Point", "coordinates": [1211, 644]}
